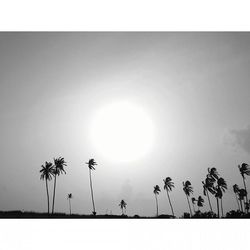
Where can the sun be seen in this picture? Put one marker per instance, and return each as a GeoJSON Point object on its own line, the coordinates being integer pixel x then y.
{"type": "Point", "coordinates": [122, 132]}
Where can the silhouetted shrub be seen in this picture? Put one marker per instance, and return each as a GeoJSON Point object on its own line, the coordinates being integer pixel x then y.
{"type": "Point", "coordinates": [186, 215]}
{"type": "Point", "coordinates": [199, 214]}
{"type": "Point", "coordinates": [236, 214]}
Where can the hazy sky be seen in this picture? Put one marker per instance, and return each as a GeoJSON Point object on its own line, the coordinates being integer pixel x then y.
{"type": "Point", "coordinates": [194, 86]}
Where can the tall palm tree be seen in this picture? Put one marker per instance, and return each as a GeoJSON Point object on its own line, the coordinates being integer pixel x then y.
{"type": "Point", "coordinates": [200, 201]}
{"type": "Point", "coordinates": [47, 172]}
{"type": "Point", "coordinates": [242, 195]}
{"type": "Point", "coordinates": [244, 170]}
{"type": "Point", "coordinates": [193, 202]}
{"type": "Point", "coordinates": [236, 191]}
{"type": "Point", "coordinates": [208, 187]}
{"type": "Point", "coordinates": [168, 185]}
{"type": "Point", "coordinates": [220, 188]}
{"type": "Point", "coordinates": [188, 189]}
{"type": "Point", "coordinates": [91, 165]}
{"type": "Point", "coordinates": [59, 164]}
{"type": "Point", "coordinates": [213, 176]}
{"type": "Point", "coordinates": [69, 197]}
{"type": "Point", "coordinates": [156, 191]}
{"type": "Point", "coordinates": [123, 205]}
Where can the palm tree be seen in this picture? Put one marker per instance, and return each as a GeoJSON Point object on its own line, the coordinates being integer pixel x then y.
{"type": "Point", "coordinates": [91, 165]}
{"type": "Point", "coordinates": [242, 195]}
{"type": "Point", "coordinates": [193, 202]}
{"type": "Point", "coordinates": [208, 187]}
{"type": "Point", "coordinates": [157, 190]}
{"type": "Point", "coordinates": [220, 188]}
{"type": "Point", "coordinates": [69, 197]}
{"type": "Point", "coordinates": [168, 185]}
{"type": "Point", "coordinates": [212, 174]}
{"type": "Point", "coordinates": [236, 191]}
{"type": "Point", "coordinates": [200, 201]}
{"type": "Point", "coordinates": [188, 189]}
{"type": "Point", "coordinates": [59, 164]}
{"type": "Point", "coordinates": [244, 170]}
{"type": "Point", "coordinates": [47, 172]}
{"type": "Point", "coordinates": [123, 205]}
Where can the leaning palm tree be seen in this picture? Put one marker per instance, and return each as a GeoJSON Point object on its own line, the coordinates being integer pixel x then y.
{"type": "Point", "coordinates": [208, 186]}
{"type": "Point", "coordinates": [220, 188]}
{"type": "Point", "coordinates": [236, 191]}
{"type": "Point", "coordinates": [156, 191]}
{"type": "Point", "coordinates": [59, 164]}
{"type": "Point", "coordinates": [193, 202]}
{"type": "Point", "coordinates": [244, 170]}
{"type": "Point", "coordinates": [242, 195]}
{"type": "Point", "coordinates": [69, 197]}
{"type": "Point", "coordinates": [123, 205]}
{"type": "Point", "coordinates": [200, 201]}
{"type": "Point", "coordinates": [188, 189]}
{"type": "Point", "coordinates": [91, 165]}
{"type": "Point", "coordinates": [168, 185]}
{"type": "Point", "coordinates": [47, 172]}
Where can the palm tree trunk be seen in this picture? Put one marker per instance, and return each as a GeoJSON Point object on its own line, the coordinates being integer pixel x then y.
{"type": "Point", "coordinates": [170, 203]}
{"type": "Point", "coordinates": [222, 214]}
{"type": "Point", "coordinates": [241, 206]}
{"type": "Point", "coordinates": [189, 207]}
{"type": "Point", "coordinates": [92, 195]}
{"type": "Point", "coordinates": [209, 202]}
{"type": "Point", "coordinates": [218, 208]}
{"type": "Point", "coordinates": [193, 207]}
{"type": "Point", "coordinates": [69, 207]}
{"type": "Point", "coordinates": [246, 210]}
{"type": "Point", "coordinates": [46, 181]}
{"type": "Point", "coordinates": [156, 200]}
{"type": "Point", "coordinates": [237, 200]}
{"type": "Point", "coordinates": [54, 194]}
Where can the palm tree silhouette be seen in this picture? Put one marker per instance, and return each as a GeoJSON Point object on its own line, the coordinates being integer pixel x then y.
{"type": "Point", "coordinates": [69, 197]}
{"type": "Point", "coordinates": [212, 177]}
{"type": "Point", "coordinates": [220, 188]}
{"type": "Point", "coordinates": [242, 195]}
{"type": "Point", "coordinates": [157, 190]}
{"type": "Point", "coordinates": [208, 187]}
{"type": "Point", "coordinates": [91, 165]}
{"type": "Point", "coordinates": [244, 170]}
{"type": "Point", "coordinates": [193, 202]}
{"type": "Point", "coordinates": [188, 189]}
{"type": "Point", "coordinates": [47, 172]}
{"type": "Point", "coordinates": [213, 174]}
{"type": "Point", "coordinates": [236, 191]}
{"type": "Point", "coordinates": [200, 201]}
{"type": "Point", "coordinates": [123, 205]}
{"type": "Point", "coordinates": [59, 164]}
{"type": "Point", "coordinates": [168, 185]}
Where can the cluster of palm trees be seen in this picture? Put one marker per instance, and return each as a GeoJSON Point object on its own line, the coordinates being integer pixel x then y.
{"type": "Point", "coordinates": [213, 185]}
{"type": "Point", "coordinates": [241, 193]}
{"type": "Point", "coordinates": [51, 171]}
{"type": "Point", "coordinates": [168, 185]}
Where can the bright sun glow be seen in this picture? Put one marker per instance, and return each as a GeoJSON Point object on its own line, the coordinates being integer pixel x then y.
{"type": "Point", "coordinates": [122, 132]}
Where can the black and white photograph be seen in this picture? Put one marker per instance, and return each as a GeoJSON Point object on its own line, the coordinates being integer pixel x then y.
{"type": "Point", "coordinates": [125, 124]}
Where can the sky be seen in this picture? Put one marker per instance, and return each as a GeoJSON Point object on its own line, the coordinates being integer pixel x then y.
{"type": "Point", "coordinates": [193, 86]}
